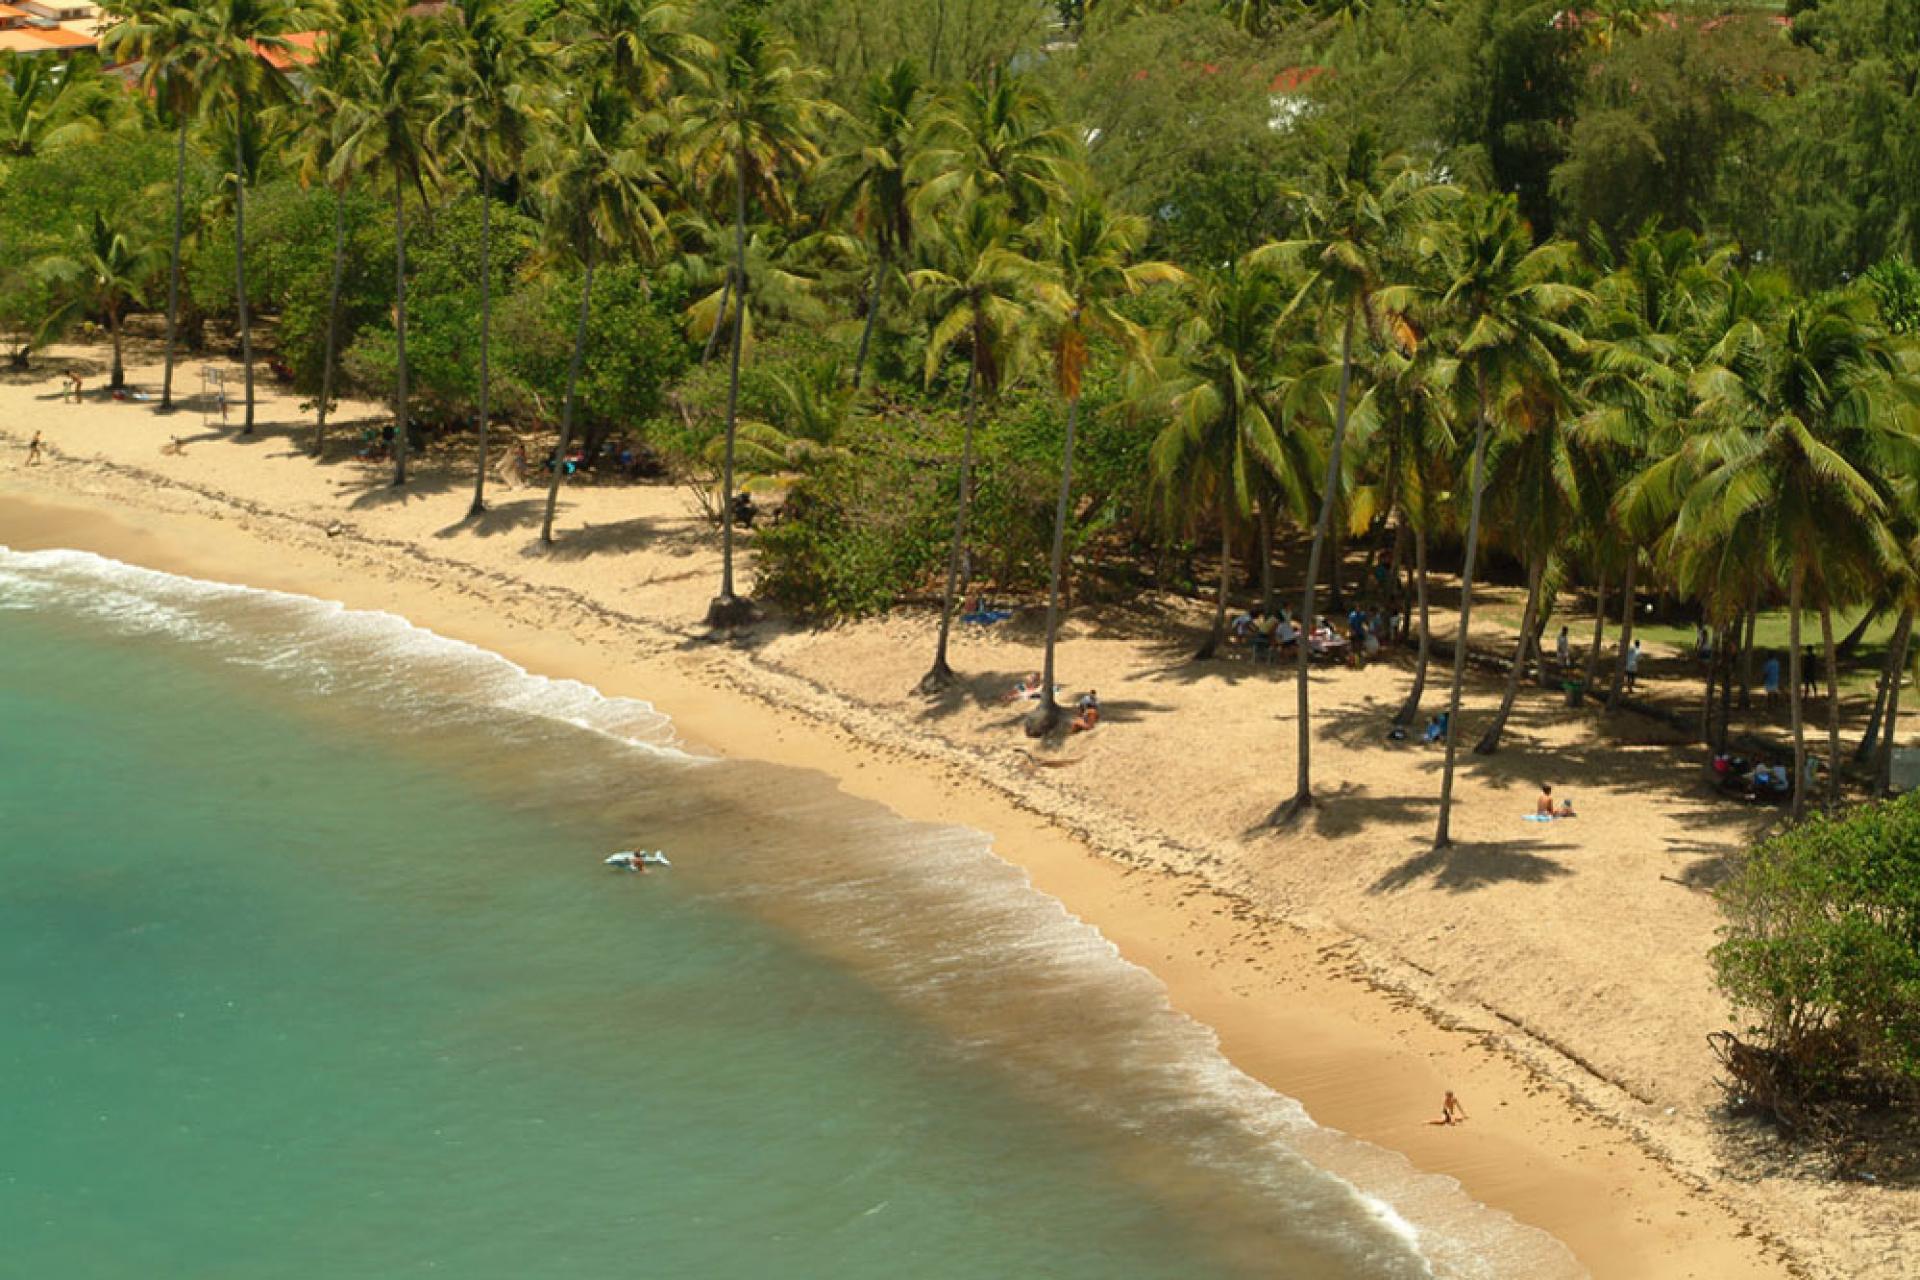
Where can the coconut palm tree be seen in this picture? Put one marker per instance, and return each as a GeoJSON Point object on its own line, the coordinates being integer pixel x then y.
{"type": "Point", "coordinates": [160, 36]}
{"type": "Point", "coordinates": [974, 293]}
{"type": "Point", "coordinates": [876, 180]}
{"type": "Point", "coordinates": [1083, 270]}
{"type": "Point", "coordinates": [645, 45]}
{"type": "Point", "coordinates": [1366, 205]}
{"type": "Point", "coordinates": [47, 103]}
{"type": "Point", "coordinates": [386, 129]}
{"type": "Point", "coordinates": [232, 41]}
{"type": "Point", "coordinates": [1503, 296]}
{"type": "Point", "coordinates": [750, 128]}
{"type": "Point", "coordinates": [597, 196]}
{"type": "Point", "coordinates": [109, 274]}
{"type": "Point", "coordinates": [493, 91]}
{"type": "Point", "coordinates": [996, 138]}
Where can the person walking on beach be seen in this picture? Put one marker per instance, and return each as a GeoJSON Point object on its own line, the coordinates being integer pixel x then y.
{"type": "Point", "coordinates": [74, 385]}
{"type": "Point", "coordinates": [33, 450]}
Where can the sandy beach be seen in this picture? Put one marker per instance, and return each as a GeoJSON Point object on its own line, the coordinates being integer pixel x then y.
{"type": "Point", "coordinates": [1553, 975]}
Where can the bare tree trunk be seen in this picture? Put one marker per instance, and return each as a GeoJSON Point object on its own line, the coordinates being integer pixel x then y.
{"type": "Point", "coordinates": [333, 323]}
{"type": "Point", "coordinates": [1746, 654]}
{"type": "Point", "coordinates": [479, 504]}
{"type": "Point", "coordinates": [1833, 703]}
{"type": "Point", "coordinates": [1490, 740]}
{"type": "Point", "coordinates": [1410, 709]}
{"type": "Point", "coordinates": [727, 608]}
{"type": "Point", "coordinates": [1303, 785]}
{"type": "Point", "coordinates": [1903, 637]}
{"type": "Point", "coordinates": [1443, 835]}
{"type": "Point", "coordinates": [402, 441]}
{"type": "Point", "coordinates": [1266, 551]}
{"type": "Point", "coordinates": [941, 675]}
{"type": "Point", "coordinates": [1219, 632]}
{"type": "Point", "coordinates": [118, 377]}
{"type": "Point", "coordinates": [240, 267]}
{"type": "Point", "coordinates": [1889, 681]}
{"type": "Point", "coordinates": [1592, 671]}
{"type": "Point", "coordinates": [1796, 587]}
{"type": "Point", "coordinates": [873, 311]}
{"type": "Point", "coordinates": [173, 262]}
{"type": "Point", "coordinates": [566, 411]}
{"type": "Point", "coordinates": [1626, 635]}
{"type": "Point", "coordinates": [1047, 714]}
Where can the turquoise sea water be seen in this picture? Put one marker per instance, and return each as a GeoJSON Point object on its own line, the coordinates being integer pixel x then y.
{"type": "Point", "coordinates": [308, 969]}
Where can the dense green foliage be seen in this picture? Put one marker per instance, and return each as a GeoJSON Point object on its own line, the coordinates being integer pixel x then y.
{"type": "Point", "coordinates": [1822, 952]}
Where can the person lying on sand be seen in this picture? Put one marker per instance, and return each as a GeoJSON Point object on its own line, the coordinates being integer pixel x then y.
{"type": "Point", "coordinates": [1027, 690]}
{"type": "Point", "coordinates": [1451, 1112]}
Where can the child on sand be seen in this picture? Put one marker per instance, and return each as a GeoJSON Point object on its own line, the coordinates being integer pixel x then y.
{"type": "Point", "coordinates": [1451, 1112]}
{"type": "Point", "coordinates": [73, 386]}
{"type": "Point", "coordinates": [33, 450]}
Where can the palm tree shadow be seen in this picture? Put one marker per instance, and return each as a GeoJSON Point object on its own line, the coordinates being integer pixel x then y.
{"type": "Point", "coordinates": [501, 517]}
{"type": "Point", "coordinates": [1350, 808]}
{"type": "Point", "coordinates": [986, 691]}
{"type": "Point", "coordinates": [599, 539]}
{"type": "Point", "coordinates": [1466, 867]}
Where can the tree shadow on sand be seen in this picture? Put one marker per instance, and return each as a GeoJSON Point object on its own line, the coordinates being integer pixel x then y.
{"type": "Point", "coordinates": [1466, 867]}
{"type": "Point", "coordinates": [501, 517]}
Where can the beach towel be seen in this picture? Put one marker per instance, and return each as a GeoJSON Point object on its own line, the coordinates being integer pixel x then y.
{"type": "Point", "coordinates": [1537, 817]}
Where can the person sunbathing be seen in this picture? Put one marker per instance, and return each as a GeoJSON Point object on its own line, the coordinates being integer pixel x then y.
{"type": "Point", "coordinates": [1027, 690]}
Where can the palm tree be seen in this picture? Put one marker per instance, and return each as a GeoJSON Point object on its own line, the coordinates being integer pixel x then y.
{"type": "Point", "coordinates": [492, 86]}
{"type": "Point", "coordinates": [160, 35]}
{"type": "Point", "coordinates": [1502, 296]}
{"type": "Point", "coordinates": [995, 139]}
{"type": "Point", "coordinates": [1365, 207]}
{"type": "Point", "coordinates": [231, 42]}
{"type": "Point", "coordinates": [1221, 438]}
{"type": "Point", "coordinates": [1082, 272]}
{"type": "Point", "coordinates": [643, 44]}
{"type": "Point", "coordinates": [47, 103]}
{"type": "Point", "coordinates": [596, 196]}
{"type": "Point", "coordinates": [109, 274]}
{"type": "Point", "coordinates": [877, 180]}
{"type": "Point", "coordinates": [386, 129]}
{"type": "Point", "coordinates": [975, 294]}
{"type": "Point", "coordinates": [751, 127]}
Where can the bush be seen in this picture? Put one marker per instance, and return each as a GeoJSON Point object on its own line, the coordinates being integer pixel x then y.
{"type": "Point", "coordinates": [1822, 949]}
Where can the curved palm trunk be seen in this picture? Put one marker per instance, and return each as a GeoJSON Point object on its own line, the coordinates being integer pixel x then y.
{"type": "Point", "coordinates": [333, 322]}
{"type": "Point", "coordinates": [402, 442]}
{"type": "Point", "coordinates": [1047, 714]}
{"type": "Point", "coordinates": [1626, 635]}
{"type": "Point", "coordinates": [1832, 657]}
{"type": "Point", "coordinates": [479, 504]}
{"type": "Point", "coordinates": [1883, 771]}
{"type": "Point", "coordinates": [566, 411]}
{"type": "Point", "coordinates": [1490, 740]}
{"type": "Point", "coordinates": [1219, 632]}
{"type": "Point", "coordinates": [1796, 586]}
{"type": "Point", "coordinates": [1592, 670]}
{"type": "Point", "coordinates": [873, 311]}
{"type": "Point", "coordinates": [173, 262]}
{"type": "Point", "coordinates": [1303, 779]}
{"type": "Point", "coordinates": [1443, 834]}
{"type": "Point", "coordinates": [940, 674]}
{"type": "Point", "coordinates": [727, 608]}
{"type": "Point", "coordinates": [1883, 694]}
{"type": "Point", "coordinates": [240, 271]}
{"type": "Point", "coordinates": [1410, 709]}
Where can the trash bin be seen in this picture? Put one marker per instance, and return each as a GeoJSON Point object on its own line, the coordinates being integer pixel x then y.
{"type": "Point", "coordinates": [1576, 692]}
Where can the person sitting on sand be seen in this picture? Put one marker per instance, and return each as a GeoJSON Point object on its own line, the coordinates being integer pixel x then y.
{"type": "Point", "coordinates": [1451, 1112]}
{"type": "Point", "coordinates": [33, 450]}
{"type": "Point", "coordinates": [1089, 713]}
{"type": "Point", "coordinates": [1544, 805]}
{"type": "Point", "coordinates": [175, 447]}
{"type": "Point", "coordinates": [1565, 810]}
{"type": "Point", "coordinates": [1436, 729]}
{"type": "Point", "coordinates": [1027, 690]}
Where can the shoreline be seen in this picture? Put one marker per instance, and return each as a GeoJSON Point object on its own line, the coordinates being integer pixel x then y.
{"type": "Point", "coordinates": [1361, 1051]}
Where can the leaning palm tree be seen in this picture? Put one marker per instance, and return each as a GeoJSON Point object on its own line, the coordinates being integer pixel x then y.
{"type": "Point", "coordinates": [750, 128]}
{"type": "Point", "coordinates": [876, 180]}
{"type": "Point", "coordinates": [1503, 297]}
{"type": "Point", "coordinates": [974, 294]}
{"type": "Point", "coordinates": [385, 129]}
{"type": "Point", "coordinates": [1365, 207]}
{"type": "Point", "coordinates": [493, 92]}
{"type": "Point", "coordinates": [160, 36]}
{"type": "Point", "coordinates": [1083, 270]}
{"type": "Point", "coordinates": [232, 41]}
{"type": "Point", "coordinates": [597, 196]}
{"type": "Point", "coordinates": [109, 274]}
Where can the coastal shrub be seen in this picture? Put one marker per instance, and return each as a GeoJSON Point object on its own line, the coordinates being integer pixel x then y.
{"type": "Point", "coordinates": [1821, 952]}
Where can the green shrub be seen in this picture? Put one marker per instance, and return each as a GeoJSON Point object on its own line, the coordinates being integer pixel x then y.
{"type": "Point", "coordinates": [1822, 951]}
{"type": "Point", "coordinates": [853, 537]}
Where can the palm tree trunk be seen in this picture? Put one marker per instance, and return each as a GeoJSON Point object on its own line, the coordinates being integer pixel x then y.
{"type": "Point", "coordinates": [479, 504]}
{"type": "Point", "coordinates": [401, 442]}
{"type": "Point", "coordinates": [240, 269]}
{"type": "Point", "coordinates": [1410, 709]}
{"type": "Point", "coordinates": [1266, 550]}
{"type": "Point", "coordinates": [1490, 740]}
{"type": "Point", "coordinates": [1796, 586]}
{"type": "Point", "coordinates": [873, 310]}
{"type": "Point", "coordinates": [1851, 641]}
{"type": "Point", "coordinates": [118, 378]}
{"type": "Point", "coordinates": [1592, 672]}
{"type": "Point", "coordinates": [1303, 780]}
{"type": "Point", "coordinates": [1746, 653]}
{"type": "Point", "coordinates": [1047, 714]}
{"type": "Point", "coordinates": [1219, 632]}
{"type": "Point", "coordinates": [726, 609]}
{"type": "Point", "coordinates": [1626, 634]}
{"type": "Point", "coordinates": [1883, 772]}
{"type": "Point", "coordinates": [1443, 835]}
{"type": "Point", "coordinates": [566, 412]}
{"type": "Point", "coordinates": [719, 318]}
{"type": "Point", "coordinates": [1889, 680]}
{"type": "Point", "coordinates": [333, 321]}
{"type": "Point", "coordinates": [1833, 703]}
{"type": "Point", "coordinates": [940, 674]}
{"type": "Point", "coordinates": [173, 262]}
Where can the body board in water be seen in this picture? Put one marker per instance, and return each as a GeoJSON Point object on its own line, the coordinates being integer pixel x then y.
{"type": "Point", "coordinates": [631, 859]}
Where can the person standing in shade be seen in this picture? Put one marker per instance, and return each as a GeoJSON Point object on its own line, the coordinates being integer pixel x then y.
{"type": "Point", "coordinates": [1633, 665]}
{"type": "Point", "coordinates": [1563, 647]}
{"type": "Point", "coordinates": [1809, 677]}
{"type": "Point", "coordinates": [1770, 680]}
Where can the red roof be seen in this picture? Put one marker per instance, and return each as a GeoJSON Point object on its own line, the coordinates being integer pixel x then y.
{"type": "Point", "coordinates": [296, 52]}
{"type": "Point", "coordinates": [43, 39]}
{"type": "Point", "coordinates": [1294, 79]}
